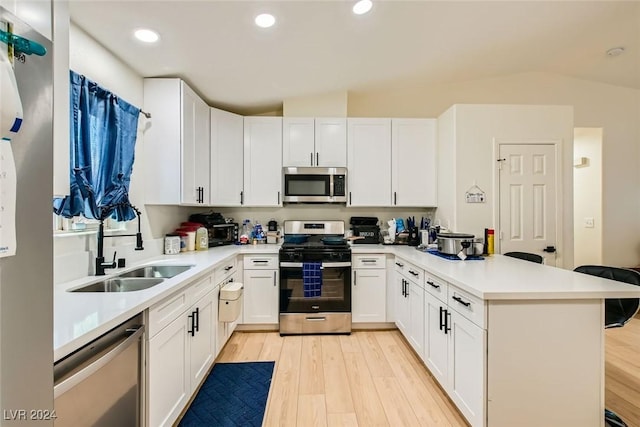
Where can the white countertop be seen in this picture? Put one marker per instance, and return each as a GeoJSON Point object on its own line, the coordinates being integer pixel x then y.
{"type": "Point", "coordinates": [80, 317]}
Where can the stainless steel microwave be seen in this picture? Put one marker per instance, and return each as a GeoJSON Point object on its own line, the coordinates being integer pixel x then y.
{"type": "Point", "coordinates": [315, 185]}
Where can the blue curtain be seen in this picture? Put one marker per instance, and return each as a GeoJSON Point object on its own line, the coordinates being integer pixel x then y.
{"type": "Point", "coordinates": [103, 137]}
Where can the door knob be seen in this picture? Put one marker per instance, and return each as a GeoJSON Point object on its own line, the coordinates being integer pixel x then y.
{"type": "Point", "coordinates": [549, 249]}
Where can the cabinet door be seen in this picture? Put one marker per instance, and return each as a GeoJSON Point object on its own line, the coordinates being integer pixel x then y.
{"type": "Point", "coordinates": [331, 142]}
{"type": "Point", "coordinates": [369, 162]}
{"type": "Point", "coordinates": [261, 296]}
{"type": "Point", "coordinates": [467, 356]}
{"type": "Point", "coordinates": [416, 318]}
{"type": "Point", "coordinates": [402, 304]}
{"type": "Point", "coordinates": [298, 142]}
{"type": "Point", "coordinates": [262, 161]}
{"type": "Point", "coordinates": [436, 339]}
{"type": "Point", "coordinates": [168, 384]}
{"type": "Point", "coordinates": [413, 153]}
{"type": "Point", "coordinates": [203, 341]}
{"type": "Point", "coordinates": [195, 148]}
{"type": "Point", "coordinates": [227, 180]}
{"type": "Point", "coordinates": [369, 295]}
{"type": "Point", "coordinates": [162, 147]}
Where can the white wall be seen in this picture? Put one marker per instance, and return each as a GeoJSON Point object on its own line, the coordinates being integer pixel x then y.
{"type": "Point", "coordinates": [74, 254]}
{"type": "Point", "coordinates": [587, 196]}
{"type": "Point", "coordinates": [615, 109]}
{"type": "Point", "coordinates": [476, 129]}
{"type": "Point", "coordinates": [333, 104]}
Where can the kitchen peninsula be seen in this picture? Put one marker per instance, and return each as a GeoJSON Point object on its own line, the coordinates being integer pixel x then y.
{"type": "Point", "coordinates": [540, 359]}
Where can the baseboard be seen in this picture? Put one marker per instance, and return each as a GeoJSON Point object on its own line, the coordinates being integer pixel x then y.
{"type": "Point", "coordinates": [269, 327]}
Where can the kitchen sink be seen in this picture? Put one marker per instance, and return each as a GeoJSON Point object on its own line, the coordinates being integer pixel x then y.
{"type": "Point", "coordinates": [162, 271]}
{"type": "Point", "coordinates": [121, 284]}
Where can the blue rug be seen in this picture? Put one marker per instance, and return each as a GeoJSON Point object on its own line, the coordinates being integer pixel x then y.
{"type": "Point", "coordinates": [234, 394]}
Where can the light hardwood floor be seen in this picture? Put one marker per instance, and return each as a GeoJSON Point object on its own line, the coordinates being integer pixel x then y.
{"type": "Point", "coordinates": [622, 371]}
{"type": "Point", "coordinates": [368, 378]}
{"type": "Point", "coordinates": [373, 378]}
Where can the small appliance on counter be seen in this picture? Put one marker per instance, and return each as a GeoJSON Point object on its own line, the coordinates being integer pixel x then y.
{"type": "Point", "coordinates": [367, 227]}
{"type": "Point", "coordinates": [220, 231]}
{"type": "Point", "coordinates": [459, 244]}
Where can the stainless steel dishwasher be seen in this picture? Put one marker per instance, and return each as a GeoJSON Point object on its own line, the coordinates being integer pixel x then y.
{"type": "Point", "coordinates": [99, 385]}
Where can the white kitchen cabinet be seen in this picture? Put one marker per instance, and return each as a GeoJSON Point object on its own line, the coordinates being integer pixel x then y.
{"type": "Point", "coordinates": [369, 162]}
{"type": "Point", "coordinates": [262, 161]}
{"type": "Point", "coordinates": [225, 273]}
{"type": "Point", "coordinates": [413, 157]}
{"type": "Point", "coordinates": [455, 346]}
{"type": "Point", "coordinates": [369, 288]}
{"type": "Point", "coordinates": [309, 142]}
{"type": "Point", "coordinates": [261, 289]}
{"type": "Point", "coordinates": [410, 304]}
{"type": "Point", "coordinates": [168, 373]}
{"type": "Point", "coordinates": [176, 148]}
{"type": "Point", "coordinates": [181, 353]}
{"type": "Point", "coordinates": [227, 180]}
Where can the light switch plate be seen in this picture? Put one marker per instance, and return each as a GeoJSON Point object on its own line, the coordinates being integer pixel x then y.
{"type": "Point", "coordinates": [588, 222]}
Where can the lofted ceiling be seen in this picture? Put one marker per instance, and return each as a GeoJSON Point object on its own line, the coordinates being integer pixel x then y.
{"type": "Point", "coordinates": [321, 46]}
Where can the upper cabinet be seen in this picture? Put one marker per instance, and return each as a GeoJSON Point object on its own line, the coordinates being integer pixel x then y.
{"type": "Point", "coordinates": [369, 162]}
{"type": "Point", "coordinates": [176, 146]}
{"type": "Point", "coordinates": [309, 142]}
{"type": "Point", "coordinates": [262, 161]}
{"type": "Point", "coordinates": [392, 162]}
{"type": "Point", "coordinates": [413, 162]}
{"type": "Point", "coordinates": [227, 180]}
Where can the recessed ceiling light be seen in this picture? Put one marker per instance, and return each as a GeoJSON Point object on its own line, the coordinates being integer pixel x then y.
{"type": "Point", "coordinates": [615, 51]}
{"type": "Point", "coordinates": [362, 7]}
{"type": "Point", "coordinates": [265, 20]}
{"type": "Point", "coordinates": [146, 35]}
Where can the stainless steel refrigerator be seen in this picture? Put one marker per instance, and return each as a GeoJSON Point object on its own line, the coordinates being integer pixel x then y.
{"type": "Point", "coordinates": [26, 278]}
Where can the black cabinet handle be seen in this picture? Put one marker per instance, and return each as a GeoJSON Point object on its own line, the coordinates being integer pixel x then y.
{"type": "Point", "coordinates": [274, 278]}
{"type": "Point", "coordinates": [441, 318]}
{"type": "Point", "coordinates": [461, 301]}
{"type": "Point", "coordinates": [447, 317]}
{"type": "Point", "coordinates": [317, 159]}
{"type": "Point", "coordinates": [429, 282]}
{"type": "Point", "coordinates": [311, 158]}
{"type": "Point", "coordinates": [349, 197]}
{"type": "Point", "coordinates": [414, 273]}
{"type": "Point", "coordinates": [403, 294]}
{"type": "Point", "coordinates": [278, 197]}
{"type": "Point", "coordinates": [399, 264]}
{"type": "Point", "coordinates": [242, 197]}
{"type": "Point", "coordinates": [406, 287]}
{"type": "Point", "coordinates": [193, 325]}
{"type": "Point", "coordinates": [197, 319]}
{"type": "Point", "coordinates": [228, 267]}
{"type": "Point", "coordinates": [355, 278]}
{"type": "Point", "coordinates": [395, 198]}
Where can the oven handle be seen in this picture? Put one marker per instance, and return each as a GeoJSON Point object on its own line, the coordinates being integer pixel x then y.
{"type": "Point", "coordinates": [324, 264]}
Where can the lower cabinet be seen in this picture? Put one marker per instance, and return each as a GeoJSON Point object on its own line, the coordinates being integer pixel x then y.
{"type": "Point", "coordinates": [455, 347]}
{"type": "Point", "coordinates": [409, 300]}
{"type": "Point", "coordinates": [180, 353]}
{"type": "Point", "coordinates": [261, 288]}
{"type": "Point", "coordinates": [369, 288]}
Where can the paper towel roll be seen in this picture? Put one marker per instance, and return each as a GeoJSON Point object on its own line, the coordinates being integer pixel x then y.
{"type": "Point", "coordinates": [10, 103]}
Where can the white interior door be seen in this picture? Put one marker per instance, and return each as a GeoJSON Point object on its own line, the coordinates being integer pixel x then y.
{"type": "Point", "coordinates": [528, 209]}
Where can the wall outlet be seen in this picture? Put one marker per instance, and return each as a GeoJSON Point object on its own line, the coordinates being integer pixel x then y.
{"type": "Point", "coordinates": [588, 223]}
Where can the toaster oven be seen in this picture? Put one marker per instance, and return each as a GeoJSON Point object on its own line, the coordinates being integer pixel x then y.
{"type": "Point", "coordinates": [220, 232]}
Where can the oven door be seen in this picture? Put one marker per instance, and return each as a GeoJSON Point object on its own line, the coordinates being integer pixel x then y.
{"type": "Point", "coordinates": [334, 294]}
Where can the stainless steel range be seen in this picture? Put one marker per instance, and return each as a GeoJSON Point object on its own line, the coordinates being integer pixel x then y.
{"type": "Point", "coordinates": [315, 279]}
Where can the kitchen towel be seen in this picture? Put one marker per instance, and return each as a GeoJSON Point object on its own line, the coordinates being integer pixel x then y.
{"type": "Point", "coordinates": [312, 279]}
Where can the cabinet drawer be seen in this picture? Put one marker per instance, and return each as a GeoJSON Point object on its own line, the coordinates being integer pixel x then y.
{"type": "Point", "coordinates": [369, 261]}
{"type": "Point", "coordinates": [164, 312]}
{"type": "Point", "coordinates": [260, 262]}
{"type": "Point", "coordinates": [436, 287]}
{"type": "Point", "coordinates": [200, 289]}
{"type": "Point", "coordinates": [467, 305]}
{"type": "Point", "coordinates": [224, 270]}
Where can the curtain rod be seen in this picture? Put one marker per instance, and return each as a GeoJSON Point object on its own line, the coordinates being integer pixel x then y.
{"type": "Point", "coordinates": [147, 115]}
